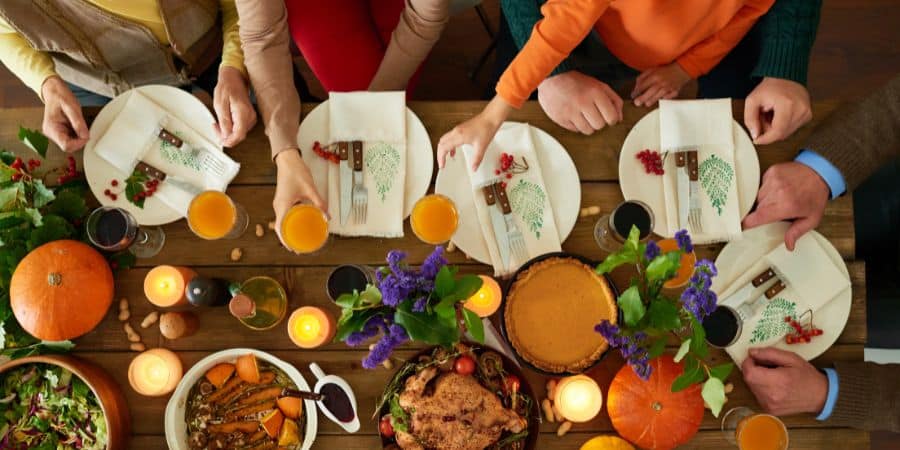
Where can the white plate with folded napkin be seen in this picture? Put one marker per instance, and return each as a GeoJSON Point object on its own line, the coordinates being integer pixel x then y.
{"type": "Point", "coordinates": [637, 184]}
{"type": "Point", "coordinates": [419, 155]}
{"type": "Point", "coordinates": [560, 179]}
{"type": "Point", "coordinates": [751, 254]}
{"type": "Point", "coordinates": [184, 111]}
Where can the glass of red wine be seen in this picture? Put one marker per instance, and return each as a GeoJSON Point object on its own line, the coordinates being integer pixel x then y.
{"type": "Point", "coordinates": [346, 278]}
{"type": "Point", "coordinates": [612, 229]}
{"type": "Point", "coordinates": [113, 229]}
{"type": "Point", "coordinates": [723, 327]}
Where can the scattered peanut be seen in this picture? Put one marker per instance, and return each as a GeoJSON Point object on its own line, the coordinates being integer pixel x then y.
{"type": "Point", "coordinates": [259, 230]}
{"type": "Point", "coordinates": [124, 315]}
{"type": "Point", "coordinates": [728, 388]}
{"type": "Point", "coordinates": [137, 347]}
{"type": "Point", "coordinates": [388, 364]}
{"type": "Point", "coordinates": [272, 225]}
{"type": "Point", "coordinates": [123, 304]}
{"type": "Point", "coordinates": [589, 211]}
{"type": "Point", "coordinates": [451, 247]}
{"type": "Point", "coordinates": [551, 388]}
{"type": "Point", "coordinates": [150, 319]}
{"type": "Point", "coordinates": [564, 428]}
{"type": "Point", "coordinates": [236, 254]}
{"type": "Point", "coordinates": [548, 410]}
{"type": "Point", "coordinates": [557, 414]}
{"type": "Point", "coordinates": [132, 335]}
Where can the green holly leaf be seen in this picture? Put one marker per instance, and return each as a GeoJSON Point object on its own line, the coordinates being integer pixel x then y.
{"type": "Point", "coordinates": [664, 266]}
{"type": "Point", "coordinates": [34, 215]}
{"type": "Point", "coordinates": [657, 348]}
{"type": "Point", "coordinates": [631, 306]}
{"type": "Point", "coordinates": [615, 260]}
{"type": "Point", "coordinates": [431, 329]}
{"type": "Point", "coordinates": [8, 197]}
{"type": "Point", "coordinates": [634, 238]}
{"type": "Point", "coordinates": [721, 371]}
{"type": "Point", "coordinates": [698, 339]}
{"type": "Point", "coordinates": [474, 325]}
{"type": "Point", "coordinates": [42, 195]}
{"type": "Point", "coordinates": [35, 140]}
{"type": "Point", "coordinates": [714, 395]}
{"type": "Point", "coordinates": [683, 350]}
{"type": "Point", "coordinates": [123, 260]}
{"type": "Point", "coordinates": [69, 204]}
{"type": "Point", "coordinates": [466, 286]}
{"type": "Point", "coordinates": [352, 321]}
{"type": "Point", "coordinates": [7, 157]}
{"type": "Point", "coordinates": [692, 374]}
{"type": "Point", "coordinates": [664, 315]}
{"type": "Point", "coordinates": [53, 228]}
{"type": "Point", "coordinates": [444, 283]}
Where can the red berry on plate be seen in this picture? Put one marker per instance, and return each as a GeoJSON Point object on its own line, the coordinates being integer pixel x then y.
{"type": "Point", "coordinates": [464, 365]}
{"type": "Point", "coordinates": [107, 192]}
{"type": "Point", "coordinates": [114, 197]}
{"type": "Point", "coordinates": [497, 172]}
{"type": "Point", "coordinates": [508, 176]}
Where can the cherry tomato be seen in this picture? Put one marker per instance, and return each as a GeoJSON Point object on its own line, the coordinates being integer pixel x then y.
{"type": "Point", "coordinates": [385, 427]}
{"type": "Point", "coordinates": [511, 383]}
{"type": "Point", "coordinates": [464, 365]}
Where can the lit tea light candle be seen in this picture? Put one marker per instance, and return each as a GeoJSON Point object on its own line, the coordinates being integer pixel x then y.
{"type": "Point", "coordinates": [486, 300]}
{"type": "Point", "coordinates": [311, 327]}
{"type": "Point", "coordinates": [164, 285]}
{"type": "Point", "coordinates": [578, 398]}
{"type": "Point", "coordinates": [155, 372]}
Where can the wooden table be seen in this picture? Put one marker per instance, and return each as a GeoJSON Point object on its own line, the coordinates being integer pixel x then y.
{"type": "Point", "coordinates": [304, 279]}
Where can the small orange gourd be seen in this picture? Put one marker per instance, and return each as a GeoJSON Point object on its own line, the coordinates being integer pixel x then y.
{"type": "Point", "coordinates": [61, 290]}
{"type": "Point", "coordinates": [648, 413]}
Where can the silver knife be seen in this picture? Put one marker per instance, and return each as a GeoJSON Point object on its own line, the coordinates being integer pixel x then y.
{"type": "Point", "coordinates": [497, 223]}
{"type": "Point", "coordinates": [749, 309]}
{"type": "Point", "coordinates": [682, 182]}
{"type": "Point", "coordinates": [176, 182]}
{"type": "Point", "coordinates": [346, 179]}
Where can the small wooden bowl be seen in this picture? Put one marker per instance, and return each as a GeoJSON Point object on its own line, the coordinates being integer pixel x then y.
{"type": "Point", "coordinates": [109, 394]}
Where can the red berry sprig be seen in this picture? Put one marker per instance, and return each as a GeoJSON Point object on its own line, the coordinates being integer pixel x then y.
{"type": "Point", "coordinates": [652, 161]}
{"type": "Point", "coordinates": [509, 166]}
{"type": "Point", "coordinates": [325, 154]}
{"type": "Point", "coordinates": [802, 333]}
{"type": "Point", "coordinates": [23, 169]}
{"type": "Point", "coordinates": [70, 172]}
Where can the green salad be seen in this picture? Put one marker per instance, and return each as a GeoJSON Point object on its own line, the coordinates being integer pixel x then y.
{"type": "Point", "coordinates": [47, 407]}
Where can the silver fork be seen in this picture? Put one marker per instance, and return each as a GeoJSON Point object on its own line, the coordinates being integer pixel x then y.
{"type": "Point", "coordinates": [694, 218]}
{"type": "Point", "coordinates": [360, 192]}
{"type": "Point", "coordinates": [516, 240]}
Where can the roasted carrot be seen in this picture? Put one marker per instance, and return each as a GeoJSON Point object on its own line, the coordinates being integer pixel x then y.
{"type": "Point", "coordinates": [268, 393]}
{"type": "Point", "coordinates": [251, 409]}
{"type": "Point", "coordinates": [226, 389]}
{"type": "Point", "coordinates": [246, 427]}
{"type": "Point", "coordinates": [265, 378]}
{"type": "Point", "coordinates": [261, 434]}
{"type": "Point", "coordinates": [267, 444]}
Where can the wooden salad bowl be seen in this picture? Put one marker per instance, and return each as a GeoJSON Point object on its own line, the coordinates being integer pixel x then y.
{"type": "Point", "coordinates": [109, 394]}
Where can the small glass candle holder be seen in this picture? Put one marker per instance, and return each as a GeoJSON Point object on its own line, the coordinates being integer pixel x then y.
{"type": "Point", "coordinates": [155, 372]}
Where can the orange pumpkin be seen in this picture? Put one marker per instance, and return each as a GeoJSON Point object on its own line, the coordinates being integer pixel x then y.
{"type": "Point", "coordinates": [648, 413]}
{"type": "Point", "coordinates": [61, 290]}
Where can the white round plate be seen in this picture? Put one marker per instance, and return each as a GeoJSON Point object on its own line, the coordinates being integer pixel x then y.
{"type": "Point", "coordinates": [419, 154]}
{"type": "Point", "coordinates": [178, 103]}
{"type": "Point", "coordinates": [176, 428]}
{"type": "Point", "coordinates": [741, 254]}
{"type": "Point", "coordinates": [560, 179]}
{"type": "Point", "coordinates": [639, 185]}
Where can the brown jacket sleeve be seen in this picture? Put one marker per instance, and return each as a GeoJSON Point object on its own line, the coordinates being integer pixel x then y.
{"type": "Point", "coordinates": [868, 396]}
{"type": "Point", "coordinates": [267, 55]}
{"type": "Point", "coordinates": [420, 27]}
{"type": "Point", "coordinates": [860, 138]}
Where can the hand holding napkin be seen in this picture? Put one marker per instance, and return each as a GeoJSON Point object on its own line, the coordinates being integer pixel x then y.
{"type": "Point", "coordinates": [812, 280]}
{"type": "Point", "coordinates": [132, 137]}
{"type": "Point", "coordinates": [705, 126]}
{"type": "Point", "coordinates": [527, 195]}
{"type": "Point", "coordinates": [378, 119]}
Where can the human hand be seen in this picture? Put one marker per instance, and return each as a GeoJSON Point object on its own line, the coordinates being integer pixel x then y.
{"type": "Point", "coordinates": [63, 120]}
{"type": "Point", "coordinates": [790, 190]}
{"type": "Point", "coordinates": [784, 383]}
{"type": "Point", "coordinates": [231, 100]}
{"type": "Point", "coordinates": [477, 132]}
{"type": "Point", "coordinates": [775, 109]}
{"type": "Point", "coordinates": [578, 102]}
{"type": "Point", "coordinates": [663, 82]}
{"type": "Point", "coordinates": [294, 184]}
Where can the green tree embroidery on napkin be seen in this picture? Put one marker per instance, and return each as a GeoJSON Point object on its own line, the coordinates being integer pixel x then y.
{"type": "Point", "coordinates": [527, 200]}
{"type": "Point", "coordinates": [174, 155]}
{"type": "Point", "coordinates": [716, 176]}
{"type": "Point", "coordinates": [382, 161]}
{"type": "Point", "coordinates": [771, 324]}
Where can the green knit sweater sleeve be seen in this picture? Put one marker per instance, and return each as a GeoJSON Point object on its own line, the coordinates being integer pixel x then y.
{"type": "Point", "coordinates": [521, 16]}
{"type": "Point", "coordinates": [788, 32]}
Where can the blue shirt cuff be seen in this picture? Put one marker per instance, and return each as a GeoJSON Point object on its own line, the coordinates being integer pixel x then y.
{"type": "Point", "coordinates": [831, 400]}
{"type": "Point", "coordinates": [825, 169]}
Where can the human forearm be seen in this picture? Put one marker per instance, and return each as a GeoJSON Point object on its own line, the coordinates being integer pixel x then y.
{"type": "Point", "coordinates": [868, 397]}
{"type": "Point", "coordinates": [232, 55]}
{"type": "Point", "coordinates": [29, 65]}
{"type": "Point", "coordinates": [521, 17]}
{"type": "Point", "coordinates": [266, 44]}
{"type": "Point", "coordinates": [788, 31]}
{"type": "Point", "coordinates": [419, 28]}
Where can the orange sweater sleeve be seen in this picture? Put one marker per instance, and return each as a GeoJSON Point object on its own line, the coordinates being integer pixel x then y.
{"type": "Point", "coordinates": [565, 24]}
{"type": "Point", "coordinates": [703, 56]}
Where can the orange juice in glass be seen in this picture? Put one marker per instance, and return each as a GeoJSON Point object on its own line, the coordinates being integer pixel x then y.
{"type": "Point", "coordinates": [213, 215]}
{"type": "Point", "coordinates": [304, 228]}
{"type": "Point", "coordinates": [434, 219]}
{"type": "Point", "coordinates": [754, 431]}
{"type": "Point", "coordinates": [686, 265]}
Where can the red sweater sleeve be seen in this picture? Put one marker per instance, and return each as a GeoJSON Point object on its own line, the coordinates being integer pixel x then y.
{"type": "Point", "coordinates": [565, 24]}
{"type": "Point", "coordinates": [703, 56]}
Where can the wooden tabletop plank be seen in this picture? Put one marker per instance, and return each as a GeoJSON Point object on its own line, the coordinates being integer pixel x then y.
{"type": "Point", "coordinates": [306, 286]}
{"type": "Point", "coordinates": [148, 413]}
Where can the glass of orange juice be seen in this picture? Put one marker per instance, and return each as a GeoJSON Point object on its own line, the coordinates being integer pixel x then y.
{"type": "Point", "coordinates": [304, 229]}
{"type": "Point", "coordinates": [686, 265]}
{"type": "Point", "coordinates": [750, 430]}
{"type": "Point", "coordinates": [434, 219]}
{"type": "Point", "coordinates": [213, 215]}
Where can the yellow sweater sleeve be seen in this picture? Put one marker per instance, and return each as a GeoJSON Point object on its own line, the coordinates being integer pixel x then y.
{"type": "Point", "coordinates": [30, 65]}
{"type": "Point", "coordinates": [232, 54]}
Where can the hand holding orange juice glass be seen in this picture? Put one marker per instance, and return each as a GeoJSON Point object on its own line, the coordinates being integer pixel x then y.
{"type": "Point", "coordinates": [304, 229]}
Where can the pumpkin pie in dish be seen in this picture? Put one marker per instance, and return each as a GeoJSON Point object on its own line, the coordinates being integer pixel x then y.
{"type": "Point", "coordinates": [550, 314]}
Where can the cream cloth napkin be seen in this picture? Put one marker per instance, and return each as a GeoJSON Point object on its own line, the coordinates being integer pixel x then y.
{"type": "Point", "coordinates": [812, 280]}
{"type": "Point", "coordinates": [707, 126]}
{"type": "Point", "coordinates": [132, 137]}
{"type": "Point", "coordinates": [527, 195]}
{"type": "Point", "coordinates": [379, 120]}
